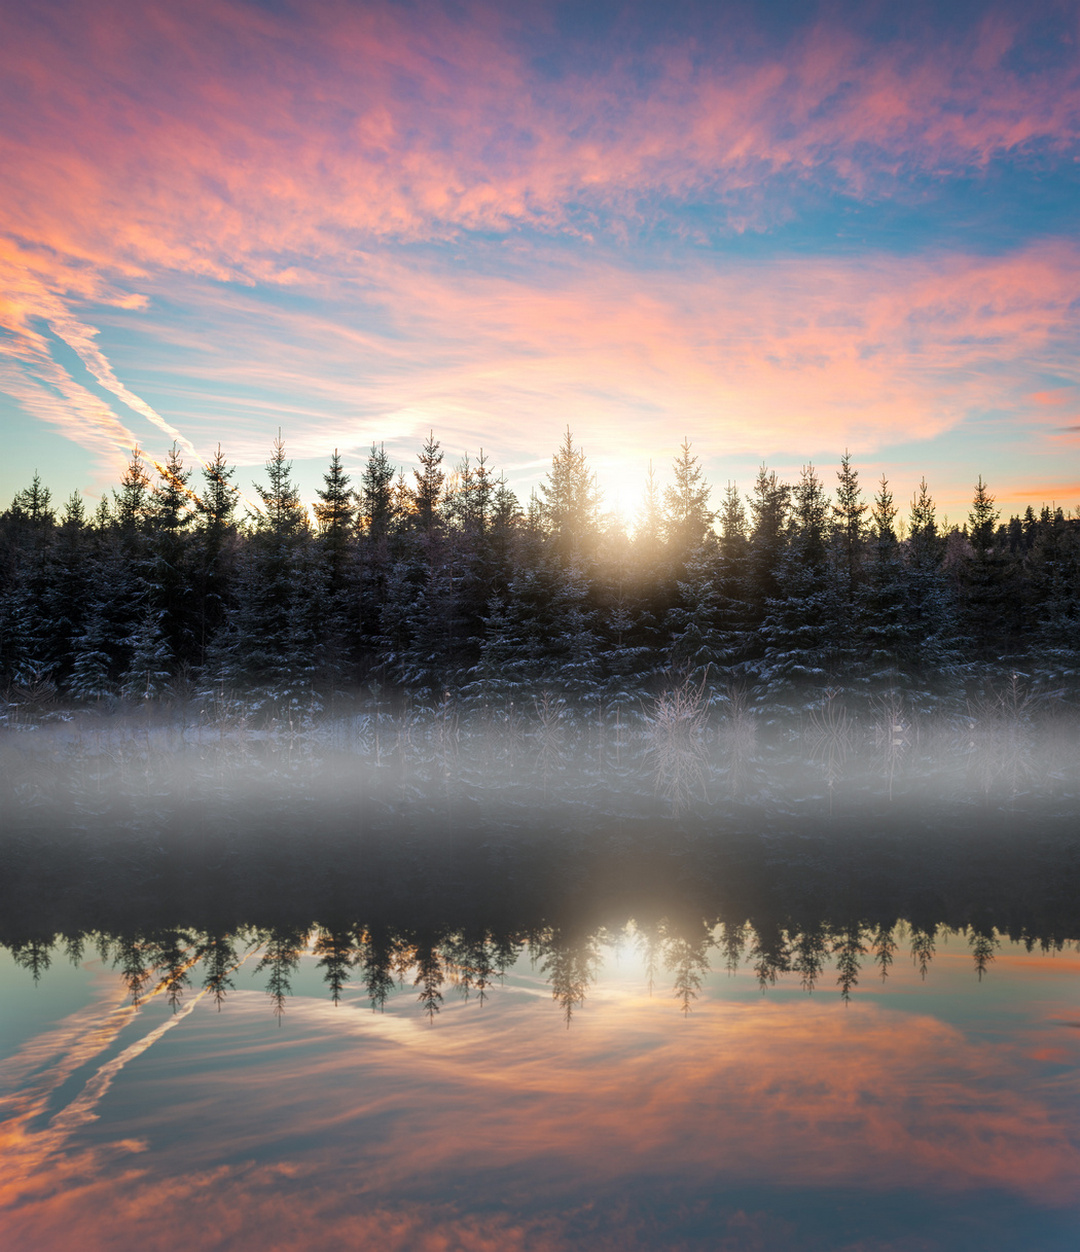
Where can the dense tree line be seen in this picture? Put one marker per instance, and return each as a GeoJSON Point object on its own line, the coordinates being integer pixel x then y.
{"type": "Point", "coordinates": [439, 587]}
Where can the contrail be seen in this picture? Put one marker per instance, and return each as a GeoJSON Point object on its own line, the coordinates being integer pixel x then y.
{"type": "Point", "coordinates": [81, 1109]}
{"type": "Point", "coordinates": [80, 338]}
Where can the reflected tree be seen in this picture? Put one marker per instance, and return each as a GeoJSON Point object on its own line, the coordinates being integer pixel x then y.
{"type": "Point", "coordinates": [848, 947]}
{"type": "Point", "coordinates": [337, 953]}
{"type": "Point", "coordinates": [809, 954]}
{"type": "Point", "coordinates": [218, 954]}
{"type": "Point", "coordinates": [282, 948]}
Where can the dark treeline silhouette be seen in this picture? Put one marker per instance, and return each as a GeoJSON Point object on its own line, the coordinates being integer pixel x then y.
{"type": "Point", "coordinates": [415, 848]}
{"type": "Point", "coordinates": [437, 588]}
{"type": "Point", "coordinates": [389, 906]}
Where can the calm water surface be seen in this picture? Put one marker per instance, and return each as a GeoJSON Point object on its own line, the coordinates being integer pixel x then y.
{"type": "Point", "coordinates": [609, 1012]}
{"type": "Point", "coordinates": [921, 1113]}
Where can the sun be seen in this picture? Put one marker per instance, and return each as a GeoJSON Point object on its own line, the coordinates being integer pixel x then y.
{"type": "Point", "coordinates": [621, 479]}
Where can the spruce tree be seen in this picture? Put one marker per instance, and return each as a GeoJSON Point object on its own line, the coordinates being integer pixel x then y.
{"type": "Point", "coordinates": [269, 647]}
{"type": "Point", "coordinates": [334, 513]}
{"type": "Point", "coordinates": [733, 592]}
{"type": "Point", "coordinates": [377, 518]}
{"type": "Point", "coordinates": [337, 575]}
{"type": "Point", "coordinates": [25, 577]}
{"type": "Point", "coordinates": [687, 516]}
{"type": "Point", "coordinates": [132, 501]}
{"type": "Point", "coordinates": [170, 571]}
{"type": "Point", "coordinates": [214, 556]}
{"type": "Point", "coordinates": [932, 660]}
{"type": "Point", "coordinates": [769, 507]}
{"type": "Point", "coordinates": [800, 627]}
{"type": "Point", "coordinates": [569, 512]}
{"type": "Point", "coordinates": [69, 588]}
{"type": "Point", "coordinates": [150, 665]}
{"type": "Point", "coordinates": [987, 605]}
{"type": "Point", "coordinates": [91, 676]}
{"type": "Point", "coordinates": [848, 529]}
{"type": "Point", "coordinates": [881, 598]}
{"type": "Point", "coordinates": [376, 503]}
{"type": "Point", "coordinates": [428, 490]}
{"type": "Point", "coordinates": [697, 644]}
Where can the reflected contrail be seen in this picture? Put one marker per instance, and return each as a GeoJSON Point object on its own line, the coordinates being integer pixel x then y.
{"type": "Point", "coordinates": [81, 1109]}
{"type": "Point", "coordinates": [26, 1151]}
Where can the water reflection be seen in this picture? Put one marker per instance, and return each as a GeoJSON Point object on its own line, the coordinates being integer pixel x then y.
{"type": "Point", "coordinates": [822, 909]}
{"type": "Point", "coordinates": [811, 1020]}
{"type": "Point", "coordinates": [754, 1122]}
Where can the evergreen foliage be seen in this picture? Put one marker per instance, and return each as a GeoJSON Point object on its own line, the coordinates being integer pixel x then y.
{"type": "Point", "coordinates": [441, 589]}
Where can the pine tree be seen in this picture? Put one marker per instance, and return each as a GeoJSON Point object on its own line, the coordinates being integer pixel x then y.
{"type": "Point", "coordinates": [985, 595]}
{"type": "Point", "coordinates": [169, 573]}
{"type": "Point", "coordinates": [569, 511]}
{"type": "Point", "coordinates": [514, 654]}
{"type": "Point", "coordinates": [769, 506]}
{"type": "Point", "coordinates": [337, 575]}
{"type": "Point", "coordinates": [483, 495]}
{"type": "Point", "coordinates": [149, 669]}
{"type": "Point", "coordinates": [377, 518]}
{"type": "Point", "coordinates": [932, 662]}
{"type": "Point", "coordinates": [881, 597]}
{"type": "Point", "coordinates": [283, 517]}
{"type": "Point", "coordinates": [572, 644]}
{"type": "Point", "coordinates": [1055, 593]}
{"type": "Point", "coordinates": [91, 664]}
{"type": "Point", "coordinates": [375, 515]}
{"type": "Point", "coordinates": [428, 491]}
{"type": "Point", "coordinates": [33, 504]}
{"type": "Point", "coordinates": [732, 581]}
{"type": "Point", "coordinates": [69, 589]}
{"type": "Point", "coordinates": [849, 528]}
{"type": "Point", "coordinates": [214, 557]}
{"type": "Point", "coordinates": [132, 500]}
{"type": "Point", "coordinates": [335, 513]}
{"type": "Point", "coordinates": [687, 516]}
{"type": "Point", "coordinates": [650, 522]}
{"type": "Point", "coordinates": [800, 628]}
{"type": "Point", "coordinates": [697, 645]}
{"type": "Point", "coordinates": [269, 646]}
{"type": "Point", "coordinates": [25, 577]}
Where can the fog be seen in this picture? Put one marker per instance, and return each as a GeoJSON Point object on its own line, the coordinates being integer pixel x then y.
{"type": "Point", "coordinates": [543, 833]}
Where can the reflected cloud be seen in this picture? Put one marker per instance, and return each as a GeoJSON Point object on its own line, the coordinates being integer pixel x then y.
{"type": "Point", "coordinates": [396, 1117]}
{"type": "Point", "coordinates": [38, 1156]}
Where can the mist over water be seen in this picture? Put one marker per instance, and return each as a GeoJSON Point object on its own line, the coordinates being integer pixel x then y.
{"type": "Point", "coordinates": [548, 822]}
{"type": "Point", "coordinates": [678, 983]}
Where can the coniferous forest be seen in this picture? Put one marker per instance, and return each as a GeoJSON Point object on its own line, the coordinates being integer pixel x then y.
{"type": "Point", "coordinates": [436, 587]}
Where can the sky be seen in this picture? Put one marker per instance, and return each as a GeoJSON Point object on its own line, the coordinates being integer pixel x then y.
{"type": "Point", "coordinates": [780, 230]}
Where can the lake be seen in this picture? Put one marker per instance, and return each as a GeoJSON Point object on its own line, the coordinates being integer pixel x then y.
{"type": "Point", "coordinates": [398, 1012]}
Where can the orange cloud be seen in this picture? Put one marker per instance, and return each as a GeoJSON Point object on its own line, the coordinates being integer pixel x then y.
{"type": "Point", "coordinates": [393, 1115]}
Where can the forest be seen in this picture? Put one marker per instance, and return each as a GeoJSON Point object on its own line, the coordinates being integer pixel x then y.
{"type": "Point", "coordinates": [436, 589]}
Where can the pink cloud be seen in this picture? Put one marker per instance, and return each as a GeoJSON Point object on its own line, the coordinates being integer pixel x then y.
{"type": "Point", "coordinates": [879, 1100]}
{"type": "Point", "coordinates": [255, 138]}
{"type": "Point", "coordinates": [745, 359]}
{"type": "Point", "coordinates": [224, 144]}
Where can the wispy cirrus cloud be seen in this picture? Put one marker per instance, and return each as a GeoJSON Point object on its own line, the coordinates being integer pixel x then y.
{"type": "Point", "coordinates": [381, 1130]}
{"type": "Point", "coordinates": [259, 140]}
{"type": "Point", "coordinates": [535, 219]}
{"type": "Point", "coordinates": [747, 359]}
